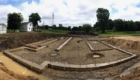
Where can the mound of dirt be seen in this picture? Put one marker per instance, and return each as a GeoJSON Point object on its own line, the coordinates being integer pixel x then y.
{"type": "Point", "coordinates": [9, 41]}
{"type": "Point", "coordinates": [122, 43]}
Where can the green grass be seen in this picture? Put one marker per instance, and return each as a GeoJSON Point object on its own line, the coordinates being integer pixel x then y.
{"type": "Point", "coordinates": [46, 31]}
{"type": "Point", "coordinates": [108, 32]}
{"type": "Point", "coordinates": [55, 31]}
{"type": "Point", "coordinates": [10, 31]}
{"type": "Point", "coordinates": [123, 33]}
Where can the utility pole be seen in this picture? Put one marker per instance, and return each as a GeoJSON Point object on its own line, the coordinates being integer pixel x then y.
{"type": "Point", "coordinates": [53, 19]}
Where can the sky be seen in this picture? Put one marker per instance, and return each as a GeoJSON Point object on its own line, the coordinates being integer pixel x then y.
{"type": "Point", "coordinates": [70, 12]}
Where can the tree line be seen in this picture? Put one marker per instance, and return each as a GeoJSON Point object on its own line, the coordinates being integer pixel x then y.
{"type": "Point", "coordinates": [54, 27]}
{"type": "Point", "coordinates": [84, 27]}
{"type": "Point", "coordinates": [104, 23]}
{"type": "Point", "coordinates": [120, 25]}
{"type": "Point", "coordinates": [61, 27]}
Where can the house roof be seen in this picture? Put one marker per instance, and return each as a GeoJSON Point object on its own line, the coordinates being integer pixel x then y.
{"type": "Point", "coordinates": [25, 23]}
{"type": "Point", "coordinates": [3, 24]}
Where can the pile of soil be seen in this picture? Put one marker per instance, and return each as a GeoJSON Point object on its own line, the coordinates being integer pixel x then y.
{"type": "Point", "coordinates": [13, 40]}
{"type": "Point", "coordinates": [122, 43]}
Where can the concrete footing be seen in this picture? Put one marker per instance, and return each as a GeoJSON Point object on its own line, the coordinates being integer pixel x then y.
{"type": "Point", "coordinates": [44, 44]}
{"type": "Point", "coordinates": [63, 66]}
{"type": "Point", "coordinates": [61, 46]}
{"type": "Point", "coordinates": [31, 49]}
{"type": "Point", "coordinates": [92, 49]}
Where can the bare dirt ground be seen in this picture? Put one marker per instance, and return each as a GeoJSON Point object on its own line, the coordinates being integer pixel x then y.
{"type": "Point", "coordinates": [42, 55]}
{"type": "Point", "coordinates": [73, 53]}
{"type": "Point", "coordinates": [70, 54]}
{"type": "Point", "coordinates": [133, 38]}
{"type": "Point", "coordinates": [98, 46]}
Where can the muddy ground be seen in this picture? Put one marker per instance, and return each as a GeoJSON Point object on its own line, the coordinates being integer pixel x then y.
{"type": "Point", "coordinates": [14, 40]}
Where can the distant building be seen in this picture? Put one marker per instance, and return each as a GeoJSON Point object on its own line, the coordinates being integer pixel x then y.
{"type": "Point", "coordinates": [3, 28]}
{"type": "Point", "coordinates": [26, 27]}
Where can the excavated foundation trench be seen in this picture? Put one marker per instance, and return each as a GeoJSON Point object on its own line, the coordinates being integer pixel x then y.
{"type": "Point", "coordinates": [84, 61]}
{"type": "Point", "coordinates": [20, 69]}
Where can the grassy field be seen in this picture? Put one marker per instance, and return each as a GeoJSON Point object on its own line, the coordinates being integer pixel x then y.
{"type": "Point", "coordinates": [10, 31]}
{"type": "Point", "coordinates": [45, 31]}
{"type": "Point", "coordinates": [55, 31]}
{"type": "Point", "coordinates": [123, 33]}
{"type": "Point", "coordinates": [108, 32]}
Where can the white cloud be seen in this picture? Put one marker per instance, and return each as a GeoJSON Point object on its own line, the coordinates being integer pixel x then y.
{"type": "Point", "coordinates": [73, 12]}
{"type": "Point", "coordinates": [4, 10]}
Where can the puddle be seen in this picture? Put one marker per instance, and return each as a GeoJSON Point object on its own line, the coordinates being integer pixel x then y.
{"type": "Point", "coordinates": [19, 69]}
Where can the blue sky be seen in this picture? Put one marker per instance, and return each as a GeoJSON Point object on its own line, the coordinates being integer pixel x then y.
{"type": "Point", "coordinates": [70, 12]}
{"type": "Point", "coordinates": [15, 3]}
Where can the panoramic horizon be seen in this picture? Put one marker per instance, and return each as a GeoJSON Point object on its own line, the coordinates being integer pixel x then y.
{"type": "Point", "coordinates": [70, 12]}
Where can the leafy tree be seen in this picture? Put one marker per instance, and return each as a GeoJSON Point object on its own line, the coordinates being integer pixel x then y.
{"type": "Point", "coordinates": [46, 26]}
{"type": "Point", "coordinates": [131, 26]}
{"type": "Point", "coordinates": [102, 18]}
{"type": "Point", "coordinates": [69, 27]}
{"type": "Point", "coordinates": [110, 24]}
{"type": "Point", "coordinates": [96, 26]}
{"type": "Point", "coordinates": [54, 27]}
{"type": "Point", "coordinates": [137, 23]}
{"type": "Point", "coordinates": [86, 28]}
{"type": "Point", "coordinates": [34, 18]}
{"type": "Point", "coordinates": [80, 28]}
{"type": "Point", "coordinates": [60, 27]}
{"type": "Point", "coordinates": [14, 20]}
{"type": "Point", "coordinates": [75, 28]}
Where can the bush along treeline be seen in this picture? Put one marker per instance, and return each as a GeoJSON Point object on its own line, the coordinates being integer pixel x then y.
{"type": "Point", "coordinates": [120, 25]}
{"type": "Point", "coordinates": [61, 27]}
